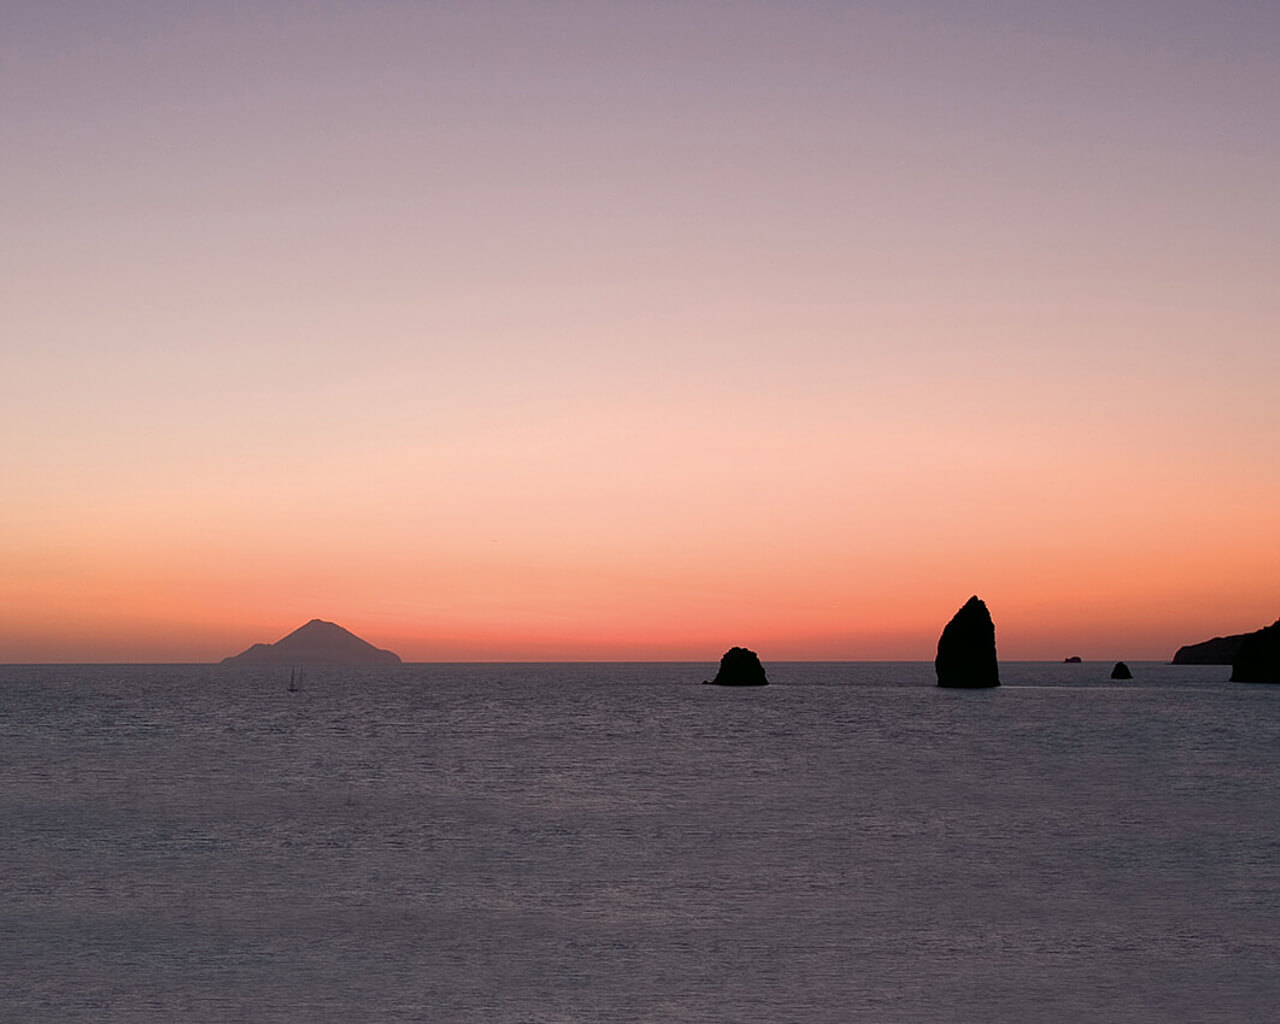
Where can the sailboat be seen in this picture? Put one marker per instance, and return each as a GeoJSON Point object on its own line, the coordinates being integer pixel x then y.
{"type": "Point", "coordinates": [295, 679]}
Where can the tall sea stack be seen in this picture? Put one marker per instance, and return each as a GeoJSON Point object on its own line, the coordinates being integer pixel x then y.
{"type": "Point", "coordinates": [1258, 658]}
{"type": "Point", "coordinates": [967, 649]}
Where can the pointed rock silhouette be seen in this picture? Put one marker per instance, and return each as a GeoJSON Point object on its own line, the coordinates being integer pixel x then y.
{"type": "Point", "coordinates": [1121, 671]}
{"type": "Point", "coordinates": [967, 649]}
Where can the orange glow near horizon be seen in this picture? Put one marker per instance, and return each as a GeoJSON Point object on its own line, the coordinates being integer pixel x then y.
{"type": "Point", "coordinates": [550, 590]}
{"type": "Point", "coordinates": [805, 534]}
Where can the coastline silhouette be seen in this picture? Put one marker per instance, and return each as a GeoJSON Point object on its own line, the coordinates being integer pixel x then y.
{"type": "Point", "coordinates": [1221, 650]}
{"type": "Point", "coordinates": [1257, 659]}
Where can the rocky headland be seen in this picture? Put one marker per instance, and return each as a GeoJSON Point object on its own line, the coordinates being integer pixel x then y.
{"type": "Point", "coordinates": [316, 643]}
{"type": "Point", "coordinates": [1257, 659]}
{"type": "Point", "coordinates": [1221, 650]}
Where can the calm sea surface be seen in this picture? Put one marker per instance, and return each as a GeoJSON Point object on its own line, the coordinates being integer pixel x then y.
{"type": "Point", "coordinates": [615, 843]}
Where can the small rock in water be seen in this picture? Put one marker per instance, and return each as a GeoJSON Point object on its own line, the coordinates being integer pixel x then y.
{"type": "Point", "coordinates": [1121, 671]}
{"type": "Point", "coordinates": [739, 667]}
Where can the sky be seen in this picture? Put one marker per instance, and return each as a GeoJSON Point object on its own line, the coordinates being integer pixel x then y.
{"type": "Point", "coordinates": [599, 331]}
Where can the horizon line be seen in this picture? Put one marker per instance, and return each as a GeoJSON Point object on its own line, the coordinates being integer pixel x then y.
{"type": "Point", "coordinates": [587, 661]}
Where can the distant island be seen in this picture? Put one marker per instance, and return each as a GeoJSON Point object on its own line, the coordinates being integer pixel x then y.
{"type": "Point", "coordinates": [316, 643]}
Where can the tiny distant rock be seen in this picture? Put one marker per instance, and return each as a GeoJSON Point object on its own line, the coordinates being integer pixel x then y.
{"type": "Point", "coordinates": [739, 667]}
{"type": "Point", "coordinates": [1258, 659]}
{"type": "Point", "coordinates": [1073, 660]}
{"type": "Point", "coordinates": [1121, 671]}
{"type": "Point", "coordinates": [967, 649]}
{"type": "Point", "coordinates": [316, 643]}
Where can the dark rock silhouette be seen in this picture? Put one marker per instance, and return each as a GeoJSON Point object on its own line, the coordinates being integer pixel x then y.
{"type": "Point", "coordinates": [1258, 658]}
{"type": "Point", "coordinates": [1121, 671]}
{"type": "Point", "coordinates": [1221, 650]}
{"type": "Point", "coordinates": [1073, 660]}
{"type": "Point", "coordinates": [739, 667]}
{"type": "Point", "coordinates": [316, 643]}
{"type": "Point", "coordinates": [967, 649]}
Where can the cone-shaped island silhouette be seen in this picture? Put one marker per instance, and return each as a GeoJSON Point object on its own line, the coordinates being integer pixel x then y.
{"type": "Point", "coordinates": [967, 649]}
{"type": "Point", "coordinates": [316, 643]}
{"type": "Point", "coordinates": [1121, 671]}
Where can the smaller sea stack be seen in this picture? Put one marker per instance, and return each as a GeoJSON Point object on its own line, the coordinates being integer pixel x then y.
{"type": "Point", "coordinates": [967, 649]}
{"type": "Point", "coordinates": [739, 667]}
{"type": "Point", "coordinates": [1258, 659]}
{"type": "Point", "coordinates": [1121, 671]}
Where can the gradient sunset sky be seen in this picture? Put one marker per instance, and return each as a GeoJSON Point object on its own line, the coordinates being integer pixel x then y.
{"type": "Point", "coordinates": [638, 330]}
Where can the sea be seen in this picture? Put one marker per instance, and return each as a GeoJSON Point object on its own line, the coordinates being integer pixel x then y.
{"type": "Point", "coordinates": [555, 844]}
